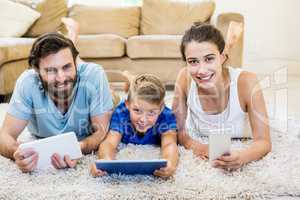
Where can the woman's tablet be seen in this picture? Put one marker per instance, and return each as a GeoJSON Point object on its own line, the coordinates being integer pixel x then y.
{"type": "Point", "coordinates": [131, 166]}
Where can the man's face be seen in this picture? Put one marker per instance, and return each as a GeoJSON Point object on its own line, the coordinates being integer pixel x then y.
{"type": "Point", "coordinates": [58, 74]}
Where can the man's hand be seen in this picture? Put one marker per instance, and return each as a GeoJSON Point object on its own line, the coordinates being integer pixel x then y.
{"type": "Point", "coordinates": [26, 159]}
{"type": "Point", "coordinates": [60, 163]}
{"type": "Point", "coordinates": [230, 162]}
{"type": "Point", "coordinates": [97, 172]}
{"type": "Point", "coordinates": [166, 171]}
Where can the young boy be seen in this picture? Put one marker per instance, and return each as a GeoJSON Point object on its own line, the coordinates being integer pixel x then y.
{"type": "Point", "coordinates": [142, 119]}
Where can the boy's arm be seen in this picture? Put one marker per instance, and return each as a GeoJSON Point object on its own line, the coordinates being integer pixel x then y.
{"type": "Point", "coordinates": [108, 147]}
{"type": "Point", "coordinates": [169, 150]}
{"type": "Point", "coordinates": [107, 151]}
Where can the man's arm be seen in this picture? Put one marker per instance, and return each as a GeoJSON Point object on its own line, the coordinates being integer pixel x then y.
{"type": "Point", "coordinates": [100, 125]}
{"type": "Point", "coordinates": [26, 160]}
{"type": "Point", "coordinates": [11, 129]}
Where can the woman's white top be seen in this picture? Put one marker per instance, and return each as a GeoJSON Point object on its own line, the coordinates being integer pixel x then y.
{"type": "Point", "coordinates": [233, 120]}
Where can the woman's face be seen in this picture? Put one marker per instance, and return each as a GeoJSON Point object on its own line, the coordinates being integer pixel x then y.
{"type": "Point", "coordinates": [204, 63]}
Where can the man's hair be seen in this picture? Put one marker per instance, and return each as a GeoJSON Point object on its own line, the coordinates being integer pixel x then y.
{"type": "Point", "coordinates": [50, 43]}
{"type": "Point", "coordinates": [147, 87]}
{"type": "Point", "coordinates": [202, 32]}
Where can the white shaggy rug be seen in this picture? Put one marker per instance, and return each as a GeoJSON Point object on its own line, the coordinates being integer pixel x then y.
{"type": "Point", "coordinates": [276, 175]}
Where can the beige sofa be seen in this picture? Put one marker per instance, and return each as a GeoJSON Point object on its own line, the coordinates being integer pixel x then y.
{"type": "Point", "coordinates": [140, 39]}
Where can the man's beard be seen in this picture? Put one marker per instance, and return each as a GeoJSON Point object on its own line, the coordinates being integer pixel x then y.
{"type": "Point", "coordinates": [58, 94]}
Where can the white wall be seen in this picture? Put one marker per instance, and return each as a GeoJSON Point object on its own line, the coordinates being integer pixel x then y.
{"type": "Point", "coordinates": [272, 29]}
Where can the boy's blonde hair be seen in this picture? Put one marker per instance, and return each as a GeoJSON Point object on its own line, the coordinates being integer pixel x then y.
{"type": "Point", "coordinates": [148, 88]}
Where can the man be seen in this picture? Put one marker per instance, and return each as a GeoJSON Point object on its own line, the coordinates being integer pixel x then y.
{"type": "Point", "coordinates": [56, 96]}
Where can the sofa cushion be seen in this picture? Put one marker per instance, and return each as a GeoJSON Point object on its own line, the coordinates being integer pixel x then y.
{"type": "Point", "coordinates": [154, 46]}
{"type": "Point", "coordinates": [12, 49]}
{"type": "Point", "coordinates": [101, 46]}
{"type": "Point", "coordinates": [9, 73]}
{"type": "Point", "coordinates": [121, 20]}
{"type": "Point", "coordinates": [15, 18]}
{"type": "Point", "coordinates": [51, 13]}
{"type": "Point", "coordinates": [173, 16]}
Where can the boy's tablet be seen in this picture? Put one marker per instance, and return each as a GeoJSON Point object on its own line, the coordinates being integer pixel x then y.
{"type": "Point", "coordinates": [64, 144]}
{"type": "Point", "coordinates": [219, 144]}
{"type": "Point", "coordinates": [131, 166]}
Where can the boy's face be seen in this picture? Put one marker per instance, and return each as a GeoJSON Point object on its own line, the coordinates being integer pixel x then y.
{"type": "Point", "coordinates": [143, 115]}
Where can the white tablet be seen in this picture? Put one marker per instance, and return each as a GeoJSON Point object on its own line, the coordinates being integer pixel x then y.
{"type": "Point", "coordinates": [64, 144]}
{"type": "Point", "coordinates": [219, 144]}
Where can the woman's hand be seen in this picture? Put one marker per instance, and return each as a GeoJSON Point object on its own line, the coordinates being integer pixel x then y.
{"type": "Point", "coordinates": [200, 150]}
{"type": "Point", "coordinates": [230, 162]}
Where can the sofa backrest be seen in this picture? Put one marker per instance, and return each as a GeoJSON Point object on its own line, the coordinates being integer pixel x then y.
{"type": "Point", "coordinates": [120, 20]}
{"type": "Point", "coordinates": [173, 17]}
{"type": "Point", "coordinates": [170, 17]}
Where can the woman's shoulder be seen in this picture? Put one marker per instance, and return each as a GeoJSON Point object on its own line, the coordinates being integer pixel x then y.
{"type": "Point", "coordinates": [248, 84]}
{"type": "Point", "coordinates": [247, 79]}
{"type": "Point", "coordinates": [183, 80]}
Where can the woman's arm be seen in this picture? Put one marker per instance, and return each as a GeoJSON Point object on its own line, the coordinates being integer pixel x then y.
{"type": "Point", "coordinates": [179, 108]}
{"type": "Point", "coordinates": [255, 104]}
{"type": "Point", "coordinates": [169, 152]}
{"type": "Point", "coordinates": [251, 98]}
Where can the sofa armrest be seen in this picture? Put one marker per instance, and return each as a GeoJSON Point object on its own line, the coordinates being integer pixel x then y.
{"type": "Point", "coordinates": [236, 53]}
{"type": "Point", "coordinates": [12, 49]}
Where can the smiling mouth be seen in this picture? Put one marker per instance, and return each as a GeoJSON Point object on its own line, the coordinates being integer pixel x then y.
{"type": "Point", "coordinates": [206, 78]}
{"type": "Point", "coordinates": [141, 127]}
{"type": "Point", "coordinates": [62, 86]}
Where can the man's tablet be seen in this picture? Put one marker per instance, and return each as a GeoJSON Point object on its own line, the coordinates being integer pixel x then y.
{"type": "Point", "coordinates": [64, 144]}
{"type": "Point", "coordinates": [130, 166]}
{"type": "Point", "coordinates": [219, 144]}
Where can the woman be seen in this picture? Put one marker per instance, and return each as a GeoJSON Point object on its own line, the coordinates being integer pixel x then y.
{"type": "Point", "coordinates": [209, 97]}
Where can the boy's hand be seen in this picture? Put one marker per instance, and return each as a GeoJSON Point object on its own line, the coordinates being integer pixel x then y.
{"type": "Point", "coordinates": [97, 172]}
{"type": "Point", "coordinates": [60, 163]}
{"type": "Point", "coordinates": [166, 171]}
{"type": "Point", "coordinates": [230, 162]}
{"type": "Point", "coordinates": [26, 159]}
